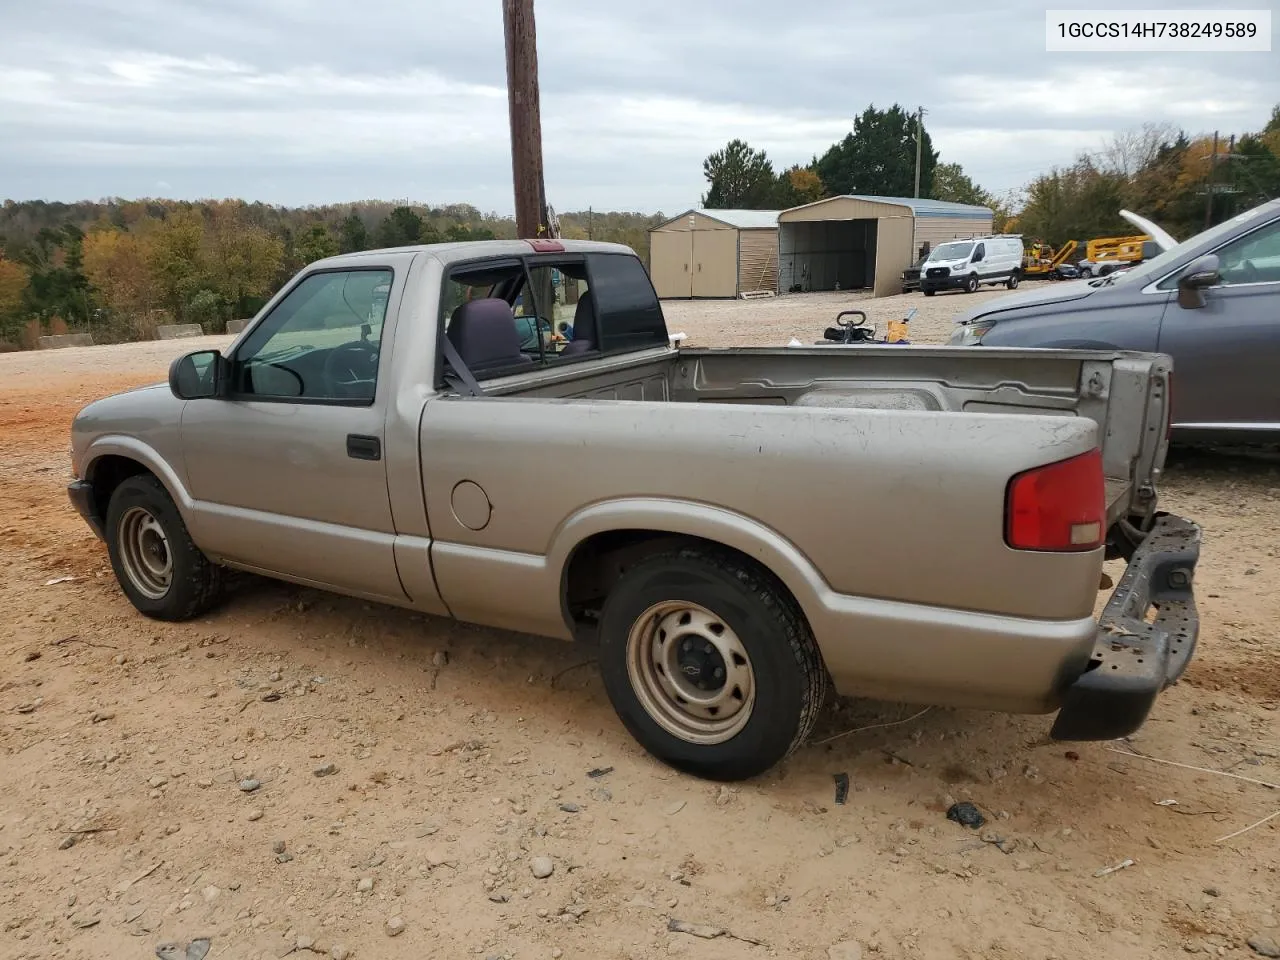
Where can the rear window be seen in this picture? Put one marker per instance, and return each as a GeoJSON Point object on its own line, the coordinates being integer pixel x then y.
{"type": "Point", "coordinates": [629, 315]}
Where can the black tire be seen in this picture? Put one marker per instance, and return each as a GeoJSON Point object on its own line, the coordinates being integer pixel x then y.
{"type": "Point", "coordinates": [1012, 282]}
{"type": "Point", "coordinates": [193, 583]}
{"type": "Point", "coordinates": [788, 678]}
{"type": "Point", "coordinates": [1086, 273]}
{"type": "Point", "coordinates": [971, 283]}
{"type": "Point", "coordinates": [930, 293]}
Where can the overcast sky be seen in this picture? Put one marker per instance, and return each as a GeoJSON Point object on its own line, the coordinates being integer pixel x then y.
{"type": "Point", "coordinates": [318, 101]}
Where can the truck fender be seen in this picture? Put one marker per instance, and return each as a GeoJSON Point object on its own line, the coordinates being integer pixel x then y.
{"type": "Point", "coordinates": [133, 449]}
{"type": "Point", "coordinates": [749, 537]}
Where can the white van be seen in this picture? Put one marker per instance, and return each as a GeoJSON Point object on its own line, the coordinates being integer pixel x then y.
{"type": "Point", "coordinates": [967, 264]}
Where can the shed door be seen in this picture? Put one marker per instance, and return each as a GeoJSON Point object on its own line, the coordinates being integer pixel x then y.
{"type": "Point", "coordinates": [893, 254]}
{"type": "Point", "coordinates": [671, 263]}
{"type": "Point", "coordinates": [715, 263]}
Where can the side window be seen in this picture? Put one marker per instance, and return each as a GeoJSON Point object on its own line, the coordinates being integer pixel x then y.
{"type": "Point", "coordinates": [1253, 258]}
{"type": "Point", "coordinates": [321, 342]}
{"type": "Point", "coordinates": [564, 307]}
{"type": "Point", "coordinates": [628, 314]}
{"type": "Point", "coordinates": [980, 253]}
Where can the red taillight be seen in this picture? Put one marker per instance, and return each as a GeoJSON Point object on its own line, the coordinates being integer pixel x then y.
{"type": "Point", "coordinates": [1061, 507]}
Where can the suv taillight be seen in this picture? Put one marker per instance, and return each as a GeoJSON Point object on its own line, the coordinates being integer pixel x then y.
{"type": "Point", "coordinates": [1059, 507]}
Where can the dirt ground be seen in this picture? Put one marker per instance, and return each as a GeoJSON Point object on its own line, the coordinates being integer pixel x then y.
{"type": "Point", "coordinates": [460, 754]}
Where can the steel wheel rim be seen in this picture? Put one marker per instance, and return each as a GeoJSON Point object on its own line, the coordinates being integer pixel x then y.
{"type": "Point", "coordinates": [144, 553]}
{"type": "Point", "coordinates": [674, 650]}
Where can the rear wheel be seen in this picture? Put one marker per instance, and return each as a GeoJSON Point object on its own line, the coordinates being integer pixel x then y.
{"type": "Point", "coordinates": [1012, 282]}
{"type": "Point", "coordinates": [1086, 272]}
{"type": "Point", "coordinates": [709, 663]}
{"type": "Point", "coordinates": [971, 283]}
{"type": "Point", "coordinates": [930, 293]}
{"type": "Point", "coordinates": [159, 568]}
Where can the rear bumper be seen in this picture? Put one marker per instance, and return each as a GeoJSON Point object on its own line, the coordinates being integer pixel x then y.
{"type": "Point", "coordinates": [1134, 660]}
{"type": "Point", "coordinates": [80, 493]}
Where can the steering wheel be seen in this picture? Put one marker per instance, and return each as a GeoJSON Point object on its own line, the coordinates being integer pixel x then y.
{"type": "Point", "coordinates": [351, 367]}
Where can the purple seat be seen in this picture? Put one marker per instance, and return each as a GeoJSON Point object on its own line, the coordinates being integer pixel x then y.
{"type": "Point", "coordinates": [484, 334]}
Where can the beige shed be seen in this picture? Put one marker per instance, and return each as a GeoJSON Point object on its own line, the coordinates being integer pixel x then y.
{"type": "Point", "coordinates": [714, 253]}
{"type": "Point", "coordinates": [860, 242]}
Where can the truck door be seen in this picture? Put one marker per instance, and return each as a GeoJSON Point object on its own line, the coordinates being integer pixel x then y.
{"type": "Point", "coordinates": [1226, 354]}
{"type": "Point", "coordinates": [288, 471]}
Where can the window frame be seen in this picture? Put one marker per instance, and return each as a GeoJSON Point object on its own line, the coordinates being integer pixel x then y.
{"type": "Point", "coordinates": [234, 359]}
{"type": "Point", "coordinates": [1169, 282]}
{"type": "Point", "coordinates": [526, 263]}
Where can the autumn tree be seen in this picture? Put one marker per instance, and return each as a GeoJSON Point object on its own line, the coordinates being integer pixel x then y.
{"type": "Point", "coordinates": [951, 183]}
{"type": "Point", "coordinates": [799, 185]}
{"type": "Point", "coordinates": [175, 260]}
{"type": "Point", "coordinates": [740, 178]}
{"type": "Point", "coordinates": [115, 262]}
{"type": "Point", "coordinates": [316, 244]}
{"type": "Point", "coordinates": [241, 262]}
{"type": "Point", "coordinates": [1075, 203]}
{"type": "Point", "coordinates": [13, 288]}
{"type": "Point", "coordinates": [879, 156]}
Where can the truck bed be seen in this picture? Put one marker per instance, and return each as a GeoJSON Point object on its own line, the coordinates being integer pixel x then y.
{"type": "Point", "coordinates": [1124, 393]}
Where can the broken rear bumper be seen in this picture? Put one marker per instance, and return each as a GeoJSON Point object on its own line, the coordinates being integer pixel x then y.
{"type": "Point", "coordinates": [1134, 657]}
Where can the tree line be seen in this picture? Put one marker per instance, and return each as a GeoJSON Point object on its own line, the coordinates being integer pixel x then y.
{"type": "Point", "coordinates": [119, 268]}
{"type": "Point", "coordinates": [1159, 171]}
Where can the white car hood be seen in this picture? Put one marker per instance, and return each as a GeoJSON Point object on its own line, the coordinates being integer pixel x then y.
{"type": "Point", "coordinates": [1057, 292]}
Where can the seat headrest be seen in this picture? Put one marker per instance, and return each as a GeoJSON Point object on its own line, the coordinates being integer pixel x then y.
{"type": "Point", "coordinates": [485, 335]}
{"type": "Point", "coordinates": [584, 319]}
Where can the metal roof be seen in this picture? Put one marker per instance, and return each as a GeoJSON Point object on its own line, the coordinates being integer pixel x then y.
{"type": "Point", "coordinates": [920, 206]}
{"type": "Point", "coordinates": [742, 219]}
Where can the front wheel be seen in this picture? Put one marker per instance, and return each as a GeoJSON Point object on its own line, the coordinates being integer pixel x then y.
{"type": "Point", "coordinates": [1085, 272]}
{"type": "Point", "coordinates": [971, 283]}
{"type": "Point", "coordinates": [930, 293]}
{"type": "Point", "coordinates": [709, 663]}
{"type": "Point", "coordinates": [159, 568]}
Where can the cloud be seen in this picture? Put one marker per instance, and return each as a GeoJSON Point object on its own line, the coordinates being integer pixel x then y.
{"type": "Point", "coordinates": [311, 101]}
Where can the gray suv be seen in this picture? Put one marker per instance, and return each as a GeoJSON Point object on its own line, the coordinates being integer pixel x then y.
{"type": "Point", "coordinates": [1211, 302]}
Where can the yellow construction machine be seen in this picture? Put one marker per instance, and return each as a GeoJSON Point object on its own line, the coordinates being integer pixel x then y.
{"type": "Point", "coordinates": [1104, 254]}
{"type": "Point", "coordinates": [1040, 260]}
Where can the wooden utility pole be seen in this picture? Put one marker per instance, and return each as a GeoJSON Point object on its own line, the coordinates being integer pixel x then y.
{"type": "Point", "coordinates": [919, 144]}
{"type": "Point", "coordinates": [1208, 190]}
{"type": "Point", "coordinates": [526, 120]}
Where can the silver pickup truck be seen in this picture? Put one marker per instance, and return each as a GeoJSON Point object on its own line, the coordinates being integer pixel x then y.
{"type": "Point", "coordinates": [502, 432]}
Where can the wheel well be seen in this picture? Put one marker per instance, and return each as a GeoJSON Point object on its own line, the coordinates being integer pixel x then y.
{"type": "Point", "coordinates": [599, 561]}
{"type": "Point", "coordinates": [108, 472]}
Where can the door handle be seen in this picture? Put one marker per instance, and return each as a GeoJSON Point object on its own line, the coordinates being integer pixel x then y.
{"type": "Point", "coordinates": [360, 447]}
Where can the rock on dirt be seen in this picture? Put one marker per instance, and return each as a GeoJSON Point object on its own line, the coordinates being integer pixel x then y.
{"type": "Point", "coordinates": [394, 927]}
{"type": "Point", "coordinates": [542, 867]}
{"type": "Point", "coordinates": [1264, 946]}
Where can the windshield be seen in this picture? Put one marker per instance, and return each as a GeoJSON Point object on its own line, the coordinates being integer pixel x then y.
{"type": "Point", "coordinates": [1158, 265]}
{"type": "Point", "coordinates": [952, 251]}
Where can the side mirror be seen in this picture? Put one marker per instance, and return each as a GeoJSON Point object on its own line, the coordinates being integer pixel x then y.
{"type": "Point", "coordinates": [1150, 250]}
{"type": "Point", "coordinates": [198, 376]}
{"type": "Point", "coordinates": [1199, 274]}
